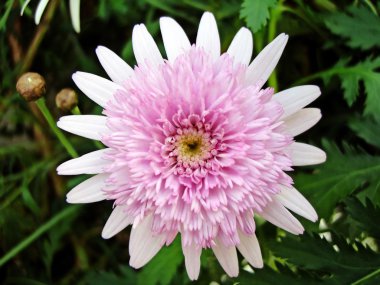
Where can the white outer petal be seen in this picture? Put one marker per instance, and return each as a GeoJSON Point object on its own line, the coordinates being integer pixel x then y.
{"type": "Point", "coordinates": [241, 47]}
{"type": "Point", "coordinates": [305, 154]}
{"type": "Point", "coordinates": [278, 215]}
{"type": "Point", "coordinates": [40, 10]}
{"type": "Point", "coordinates": [175, 39]}
{"type": "Point", "coordinates": [227, 258]}
{"type": "Point", "coordinates": [88, 191]}
{"type": "Point", "coordinates": [208, 35]}
{"type": "Point", "coordinates": [88, 126]}
{"type": "Point", "coordinates": [90, 163]}
{"type": "Point", "coordinates": [144, 46]}
{"type": "Point", "coordinates": [294, 99]}
{"type": "Point", "coordinates": [117, 69]}
{"type": "Point", "coordinates": [249, 247]}
{"type": "Point", "coordinates": [192, 260]}
{"type": "Point", "coordinates": [262, 66]}
{"type": "Point", "coordinates": [26, 3]}
{"type": "Point", "coordinates": [117, 221]}
{"type": "Point", "coordinates": [98, 89]}
{"type": "Point", "coordinates": [143, 246]}
{"type": "Point", "coordinates": [301, 121]}
{"type": "Point", "coordinates": [75, 14]}
{"type": "Point", "coordinates": [294, 201]}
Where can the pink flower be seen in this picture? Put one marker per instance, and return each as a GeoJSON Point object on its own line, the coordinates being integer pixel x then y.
{"type": "Point", "coordinates": [195, 146]}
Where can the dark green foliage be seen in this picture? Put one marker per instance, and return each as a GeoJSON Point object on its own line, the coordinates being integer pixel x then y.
{"type": "Point", "coordinates": [335, 262]}
{"type": "Point", "coordinates": [367, 129]}
{"type": "Point", "coordinates": [358, 25]}
{"type": "Point", "coordinates": [351, 77]}
{"type": "Point", "coordinates": [334, 44]}
{"type": "Point", "coordinates": [158, 271]}
{"type": "Point", "coordinates": [125, 276]}
{"type": "Point", "coordinates": [256, 12]}
{"type": "Point", "coordinates": [342, 174]}
{"type": "Point", "coordinates": [363, 216]}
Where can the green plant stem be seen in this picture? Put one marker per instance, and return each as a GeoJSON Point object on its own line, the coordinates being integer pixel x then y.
{"type": "Point", "coordinates": [75, 111]}
{"type": "Point", "coordinates": [37, 233]}
{"type": "Point", "coordinates": [327, 73]}
{"type": "Point", "coordinates": [368, 276]}
{"type": "Point", "coordinates": [259, 41]}
{"type": "Point", "coordinates": [4, 18]}
{"type": "Point", "coordinates": [272, 29]}
{"type": "Point", "coordinates": [52, 124]}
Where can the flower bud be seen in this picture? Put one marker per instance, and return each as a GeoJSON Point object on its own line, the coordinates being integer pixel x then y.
{"type": "Point", "coordinates": [31, 86]}
{"type": "Point", "coordinates": [66, 99]}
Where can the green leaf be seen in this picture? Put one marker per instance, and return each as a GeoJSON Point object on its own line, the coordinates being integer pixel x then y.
{"type": "Point", "coordinates": [351, 77]}
{"type": "Point", "coordinates": [367, 128]}
{"type": "Point", "coordinates": [126, 277]}
{"type": "Point", "coordinates": [358, 25]}
{"type": "Point", "coordinates": [163, 267]}
{"type": "Point", "coordinates": [256, 12]}
{"type": "Point", "coordinates": [267, 276]}
{"type": "Point", "coordinates": [338, 177]}
{"type": "Point", "coordinates": [335, 263]}
{"type": "Point", "coordinates": [362, 215]}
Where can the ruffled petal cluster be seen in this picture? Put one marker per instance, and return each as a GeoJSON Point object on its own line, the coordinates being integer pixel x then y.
{"type": "Point", "coordinates": [195, 146]}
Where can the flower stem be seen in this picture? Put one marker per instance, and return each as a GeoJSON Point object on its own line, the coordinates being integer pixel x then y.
{"type": "Point", "coordinates": [37, 233]}
{"type": "Point", "coordinates": [75, 111]}
{"type": "Point", "coordinates": [325, 73]}
{"type": "Point", "coordinates": [61, 137]}
{"type": "Point", "coordinates": [272, 28]}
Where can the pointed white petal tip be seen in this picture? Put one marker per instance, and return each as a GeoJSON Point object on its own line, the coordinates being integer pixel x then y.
{"type": "Point", "coordinates": [227, 258]}
{"type": "Point", "coordinates": [90, 163]}
{"type": "Point", "coordinates": [296, 98]}
{"type": "Point", "coordinates": [208, 35]}
{"type": "Point", "coordinates": [88, 126]}
{"type": "Point", "coordinates": [262, 66]}
{"type": "Point", "coordinates": [249, 247]}
{"type": "Point", "coordinates": [175, 39]}
{"type": "Point", "coordinates": [75, 14]}
{"type": "Point", "coordinates": [143, 245]}
{"type": "Point", "coordinates": [117, 221]}
{"type": "Point", "coordinates": [241, 47]}
{"type": "Point", "coordinates": [302, 120]}
{"type": "Point", "coordinates": [144, 46]}
{"type": "Point", "coordinates": [40, 10]}
{"type": "Point", "coordinates": [296, 202]}
{"type": "Point", "coordinates": [192, 261]}
{"type": "Point", "coordinates": [88, 191]}
{"type": "Point", "coordinates": [26, 3]}
{"type": "Point", "coordinates": [98, 89]}
{"type": "Point", "coordinates": [304, 154]}
{"type": "Point", "coordinates": [117, 69]}
{"type": "Point", "coordinates": [279, 216]}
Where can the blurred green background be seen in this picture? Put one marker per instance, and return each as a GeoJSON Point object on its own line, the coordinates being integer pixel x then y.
{"type": "Point", "coordinates": [334, 44]}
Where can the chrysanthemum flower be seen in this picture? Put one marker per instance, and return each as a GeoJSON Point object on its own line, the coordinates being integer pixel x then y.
{"type": "Point", "coordinates": [196, 146]}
